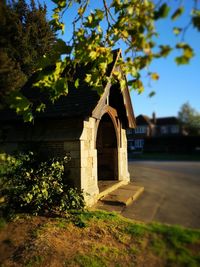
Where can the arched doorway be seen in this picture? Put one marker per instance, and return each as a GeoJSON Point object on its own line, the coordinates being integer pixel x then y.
{"type": "Point", "coordinates": [107, 154]}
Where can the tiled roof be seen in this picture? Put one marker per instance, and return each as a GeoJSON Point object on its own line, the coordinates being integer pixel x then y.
{"type": "Point", "coordinates": [80, 102]}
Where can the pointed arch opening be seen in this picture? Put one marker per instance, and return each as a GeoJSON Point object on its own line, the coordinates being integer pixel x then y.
{"type": "Point", "coordinates": [107, 152]}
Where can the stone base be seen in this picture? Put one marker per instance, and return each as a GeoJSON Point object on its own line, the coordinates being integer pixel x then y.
{"type": "Point", "coordinates": [91, 196]}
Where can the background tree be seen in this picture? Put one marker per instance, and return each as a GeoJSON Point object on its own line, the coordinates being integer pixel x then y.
{"type": "Point", "coordinates": [25, 36]}
{"type": "Point", "coordinates": [95, 31]}
{"type": "Point", "coordinates": [190, 119]}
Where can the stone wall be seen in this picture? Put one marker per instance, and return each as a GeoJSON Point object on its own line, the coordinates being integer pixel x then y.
{"type": "Point", "coordinates": [82, 167]}
{"type": "Point", "coordinates": [75, 139]}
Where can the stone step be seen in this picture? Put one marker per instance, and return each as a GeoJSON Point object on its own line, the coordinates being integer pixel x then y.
{"type": "Point", "coordinates": [107, 187]}
{"type": "Point", "coordinates": [124, 195]}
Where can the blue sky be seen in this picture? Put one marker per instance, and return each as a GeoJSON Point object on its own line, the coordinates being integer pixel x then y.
{"type": "Point", "coordinates": [177, 84]}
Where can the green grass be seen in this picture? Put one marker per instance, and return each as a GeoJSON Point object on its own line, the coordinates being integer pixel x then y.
{"type": "Point", "coordinates": [137, 230]}
{"type": "Point", "coordinates": [99, 256]}
{"type": "Point", "coordinates": [167, 242]}
{"type": "Point", "coordinates": [62, 223]}
{"type": "Point", "coordinates": [82, 218]}
{"type": "Point", "coordinates": [36, 260]}
{"type": "Point", "coordinates": [171, 242]}
{"type": "Point", "coordinates": [176, 234]}
{"type": "Point", "coordinates": [2, 223]}
{"type": "Point", "coordinates": [89, 260]}
{"type": "Point", "coordinates": [107, 239]}
{"type": "Point", "coordinates": [96, 215]}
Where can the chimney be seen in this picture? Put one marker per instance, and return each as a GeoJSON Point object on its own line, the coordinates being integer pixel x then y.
{"type": "Point", "coordinates": [154, 118]}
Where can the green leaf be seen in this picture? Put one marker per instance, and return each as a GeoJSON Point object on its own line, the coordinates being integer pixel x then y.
{"type": "Point", "coordinates": [130, 10]}
{"type": "Point", "coordinates": [93, 55]}
{"type": "Point", "coordinates": [90, 19]}
{"type": "Point", "coordinates": [103, 66]}
{"type": "Point", "coordinates": [151, 94]}
{"type": "Point", "coordinates": [182, 60]}
{"type": "Point", "coordinates": [196, 22]}
{"type": "Point", "coordinates": [181, 45]}
{"type": "Point", "coordinates": [60, 3]}
{"type": "Point", "coordinates": [61, 87]}
{"type": "Point", "coordinates": [165, 50]}
{"type": "Point", "coordinates": [80, 11]}
{"type": "Point", "coordinates": [130, 82]}
{"type": "Point", "coordinates": [62, 27]}
{"type": "Point", "coordinates": [19, 102]}
{"type": "Point", "coordinates": [187, 50]}
{"type": "Point", "coordinates": [154, 76]}
{"type": "Point", "coordinates": [122, 84]}
{"type": "Point", "coordinates": [177, 30]}
{"type": "Point", "coordinates": [88, 78]}
{"type": "Point", "coordinates": [162, 12]}
{"type": "Point", "coordinates": [99, 14]}
{"type": "Point", "coordinates": [55, 16]}
{"type": "Point", "coordinates": [179, 11]}
{"type": "Point", "coordinates": [76, 84]}
{"type": "Point", "coordinates": [117, 75]}
{"type": "Point", "coordinates": [28, 116]}
{"type": "Point", "coordinates": [59, 48]}
{"type": "Point", "coordinates": [40, 107]}
{"type": "Point", "coordinates": [138, 85]}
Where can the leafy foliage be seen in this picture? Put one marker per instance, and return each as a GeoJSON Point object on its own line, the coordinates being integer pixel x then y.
{"type": "Point", "coordinates": [95, 33]}
{"type": "Point", "coordinates": [196, 19]}
{"type": "Point", "coordinates": [36, 187]}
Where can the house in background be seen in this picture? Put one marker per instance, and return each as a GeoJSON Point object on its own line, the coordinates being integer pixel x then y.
{"type": "Point", "coordinates": [167, 126]}
{"type": "Point", "coordinates": [136, 136]}
{"type": "Point", "coordinates": [147, 128]}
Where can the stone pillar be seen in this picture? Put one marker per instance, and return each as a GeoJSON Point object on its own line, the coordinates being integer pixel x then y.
{"type": "Point", "coordinates": [123, 159]}
{"type": "Point", "coordinates": [88, 162]}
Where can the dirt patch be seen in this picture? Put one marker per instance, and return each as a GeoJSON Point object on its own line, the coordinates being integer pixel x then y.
{"type": "Point", "coordinates": [16, 234]}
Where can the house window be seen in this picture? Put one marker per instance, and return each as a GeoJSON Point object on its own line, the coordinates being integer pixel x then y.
{"type": "Point", "coordinates": [139, 143]}
{"type": "Point", "coordinates": [141, 130]}
{"type": "Point", "coordinates": [131, 145]}
{"type": "Point", "coordinates": [174, 129]}
{"type": "Point", "coordinates": [129, 131]}
{"type": "Point", "coordinates": [164, 130]}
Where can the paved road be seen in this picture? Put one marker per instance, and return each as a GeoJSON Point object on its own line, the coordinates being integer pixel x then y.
{"type": "Point", "coordinates": [172, 192]}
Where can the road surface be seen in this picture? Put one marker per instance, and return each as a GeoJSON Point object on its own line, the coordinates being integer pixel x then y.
{"type": "Point", "coordinates": [172, 192]}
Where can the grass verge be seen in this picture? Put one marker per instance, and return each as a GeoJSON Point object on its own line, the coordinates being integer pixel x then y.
{"type": "Point", "coordinates": [96, 239]}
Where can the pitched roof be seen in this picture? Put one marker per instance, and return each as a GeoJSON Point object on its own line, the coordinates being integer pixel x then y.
{"type": "Point", "coordinates": [166, 121]}
{"type": "Point", "coordinates": [81, 102]}
{"type": "Point", "coordinates": [143, 120]}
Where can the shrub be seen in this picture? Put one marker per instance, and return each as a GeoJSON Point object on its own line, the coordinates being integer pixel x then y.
{"type": "Point", "coordinates": [29, 185]}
